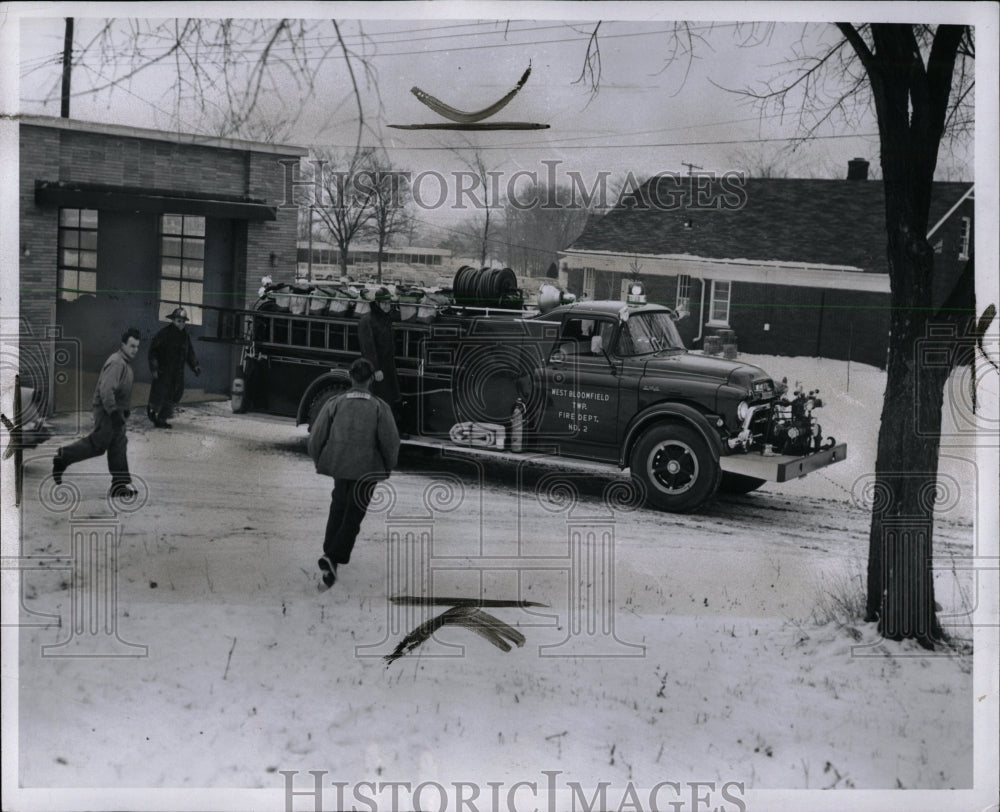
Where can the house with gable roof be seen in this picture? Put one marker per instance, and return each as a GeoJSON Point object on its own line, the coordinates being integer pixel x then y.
{"type": "Point", "coordinates": [788, 266]}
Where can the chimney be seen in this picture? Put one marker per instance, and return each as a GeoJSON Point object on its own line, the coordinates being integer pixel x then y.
{"type": "Point", "coordinates": [857, 169]}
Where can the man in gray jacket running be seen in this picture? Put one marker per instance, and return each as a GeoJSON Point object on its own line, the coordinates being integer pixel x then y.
{"type": "Point", "coordinates": [354, 440]}
{"type": "Point", "coordinates": [111, 403]}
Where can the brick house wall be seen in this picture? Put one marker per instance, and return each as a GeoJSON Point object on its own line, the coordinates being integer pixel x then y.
{"type": "Point", "coordinates": [774, 319]}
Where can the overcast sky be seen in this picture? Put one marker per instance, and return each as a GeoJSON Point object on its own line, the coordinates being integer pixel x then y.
{"type": "Point", "coordinates": [648, 116]}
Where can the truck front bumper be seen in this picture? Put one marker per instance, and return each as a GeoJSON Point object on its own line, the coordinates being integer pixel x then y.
{"type": "Point", "coordinates": [781, 468]}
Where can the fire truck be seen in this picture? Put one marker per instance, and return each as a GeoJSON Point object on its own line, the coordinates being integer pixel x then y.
{"type": "Point", "coordinates": [609, 382]}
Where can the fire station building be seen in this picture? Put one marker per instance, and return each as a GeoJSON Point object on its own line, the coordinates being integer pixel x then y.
{"type": "Point", "coordinates": [120, 225]}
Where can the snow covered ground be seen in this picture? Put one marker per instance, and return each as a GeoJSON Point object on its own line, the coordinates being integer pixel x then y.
{"type": "Point", "coordinates": [698, 648]}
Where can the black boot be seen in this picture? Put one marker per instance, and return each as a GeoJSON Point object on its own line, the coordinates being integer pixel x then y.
{"type": "Point", "coordinates": [122, 490]}
{"type": "Point", "coordinates": [328, 572]}
{"type": "Point", "coordinates": [58, 467]}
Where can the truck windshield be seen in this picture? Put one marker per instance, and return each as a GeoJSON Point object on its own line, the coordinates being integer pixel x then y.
{"type": "Point", "coordinates": [646, 333]}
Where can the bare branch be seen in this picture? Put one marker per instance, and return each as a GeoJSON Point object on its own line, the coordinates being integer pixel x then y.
{"type": "Point", "coordinates": [591, 70]}
{"type": "Point", "coordinates": [854, 38]}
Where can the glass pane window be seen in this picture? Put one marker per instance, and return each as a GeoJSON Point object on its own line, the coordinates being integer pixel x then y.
{"type": "Point", "coordinates": [719, 311]}
{"type": "Point", "coordinates": [182, 264]}
{"type": "Point", "coordinates": [87, 282]}
{"type": "Point", "coordinates": [964, 237]}
{"type": "Point", "coordinates": [683, 292]}
{"type": "Point", "coordinates": [172, 223]}
{"type": "Point", "coordinates": [193, 269]}
{"type": "Point", "coordinates": [77, 255]}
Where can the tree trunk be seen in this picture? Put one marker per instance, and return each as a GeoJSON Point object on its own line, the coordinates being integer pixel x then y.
{"type": "Point", "coordinates": [486, 239]}
{"type": "Point", "coordinates": [900, 567]}
{"type": "Point", "coordinates": [911, 101]}
{"type": "Point", "coordinates": [900, 571]}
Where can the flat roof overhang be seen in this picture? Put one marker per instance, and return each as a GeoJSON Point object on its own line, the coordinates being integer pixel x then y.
{"type": "Point", "coordinates": [56, 194]}
{"type": "Point", "coordinates": [765, 272]}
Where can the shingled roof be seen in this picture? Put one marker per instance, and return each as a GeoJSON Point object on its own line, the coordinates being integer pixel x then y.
{"type": "Point", "coordinates": [829, 222]}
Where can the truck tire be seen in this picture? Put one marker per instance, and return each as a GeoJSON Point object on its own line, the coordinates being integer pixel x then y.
{"type": "Point", "coordinates": [675, 467]}
{"type": "Point", "coordinates": [319, 399]}
{"type": "Point", "coordinates": [739, 484]}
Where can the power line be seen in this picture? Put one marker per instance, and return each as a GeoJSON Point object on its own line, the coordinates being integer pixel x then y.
{"type": "Point", "coordinates": [359, 39]}
{"type": "Point", "coordinates": [364, 39]}
{"type": "Point", "coordinates": [617, 146]}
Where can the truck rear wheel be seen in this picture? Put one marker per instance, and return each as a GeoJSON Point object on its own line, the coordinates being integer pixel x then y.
{"type": "Point", "coordinates": [675, 467]}
{"type": "Point", "coordinates": [738, 484]}
{"type": "Point", "coordinates": [319, 399]}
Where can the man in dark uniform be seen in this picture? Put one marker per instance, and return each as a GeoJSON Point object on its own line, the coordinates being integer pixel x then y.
{"type": "Point", "coordinates": [111, 404]}
{"type": "Point", "coordinates": [170, 349]}
{"type": "Point", "coordinates": [377, 344]}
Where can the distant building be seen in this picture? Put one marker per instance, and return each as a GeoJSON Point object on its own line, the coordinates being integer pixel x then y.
{"type": "Point", "coordinates": [408, 263]}
{"type": "Point", "coordinates": [119, 225]}
{"type": "Point", "coordinates": [791, 266]}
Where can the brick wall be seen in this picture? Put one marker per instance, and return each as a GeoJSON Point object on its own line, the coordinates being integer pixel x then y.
{"type": "Point", "coordinates": [37, 269]}
{"type": "Point", "coordinates": [129, 161]}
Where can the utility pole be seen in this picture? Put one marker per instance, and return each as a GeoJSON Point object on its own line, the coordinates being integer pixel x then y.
{"type": "Point", "coordinates": [310, 266]}
{"type": "Point", "coordinates": [67, 67]}
{"type": "Point", "coordinates": [690, 167]}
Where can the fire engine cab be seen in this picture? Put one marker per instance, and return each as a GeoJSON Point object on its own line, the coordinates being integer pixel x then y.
{"type": "Point", "coordinates": [604, 381]}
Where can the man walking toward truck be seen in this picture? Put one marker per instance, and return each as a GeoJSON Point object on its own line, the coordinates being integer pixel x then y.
{"type": "Point", "coordinates": [354, 440]}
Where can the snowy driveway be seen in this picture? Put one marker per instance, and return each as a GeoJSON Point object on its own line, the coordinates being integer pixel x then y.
{"type": "Point", "coordinates": [707, 667]}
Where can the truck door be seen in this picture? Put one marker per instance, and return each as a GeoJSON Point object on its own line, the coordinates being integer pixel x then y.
{"type": "Point", "coordinates": [580, 413]}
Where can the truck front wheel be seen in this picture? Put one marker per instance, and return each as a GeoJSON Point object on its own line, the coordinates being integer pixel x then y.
{"type": "Point", "coordinates": [676, 468]}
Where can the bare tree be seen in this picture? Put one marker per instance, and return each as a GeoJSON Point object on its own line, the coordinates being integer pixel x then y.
{"type": "Point", "coordinates": [479, 195]}
{"type": "Point", "coordinates": [919, 80]}
{"type": "Point", "coordinates": [762, 161]}
{"type": "Point", "coordinates": [390, 215]}
{"type": "Point", "coordinates": [538, 225]}
{"type": "Point", "coordinates": [345, 210]}
{"type": "Point", "coordinates": [243, 77]}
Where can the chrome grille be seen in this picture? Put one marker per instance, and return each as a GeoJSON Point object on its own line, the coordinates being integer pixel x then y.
{"type": "Point", "coordinates": [763, 389]}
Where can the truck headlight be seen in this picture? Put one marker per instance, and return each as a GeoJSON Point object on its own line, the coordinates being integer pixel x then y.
{"type": "Point", "coordinates": [742, 410]}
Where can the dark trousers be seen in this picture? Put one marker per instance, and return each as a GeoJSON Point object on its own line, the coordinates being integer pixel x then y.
{"type": "Point", "coordinates": [104, 438]}
{"type": "Point", "coordinates": [164, 394]}
{"type": "Point", "coordinates": [348, 506]}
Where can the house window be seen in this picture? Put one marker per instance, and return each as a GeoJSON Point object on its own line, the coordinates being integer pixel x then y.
{"type": "Point", "coordinates": [718, 312]}
{"type": "Point", "coordinates": [589, 283]}
{"type": "Point", "coordinates": [182, 264]}
{"type": "Point", "coordinates": [684, 292]}
{"type": "Point", "coordinates": [77, 268]}
{"type": "Point", "coordinates": [964, 237]}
